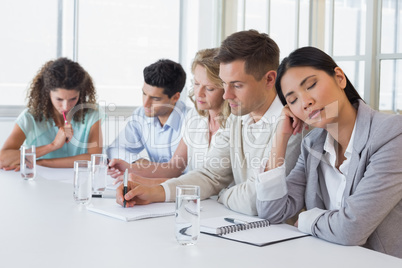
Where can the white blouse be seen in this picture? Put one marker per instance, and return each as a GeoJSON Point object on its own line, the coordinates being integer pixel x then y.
{"type": "Point", "coordinates": [196, 137]}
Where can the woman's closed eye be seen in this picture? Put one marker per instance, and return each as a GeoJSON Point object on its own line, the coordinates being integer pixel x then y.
{"type": "Point", "coordinates": [312, 85]}
{"type": "Point", "coordinates": [292, 101]}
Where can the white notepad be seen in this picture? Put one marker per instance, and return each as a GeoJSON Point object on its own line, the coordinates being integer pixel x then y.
{"type": "Point", "coordinates": [257, 232]}
{"type": "Point", "coordinates": [112, 209]}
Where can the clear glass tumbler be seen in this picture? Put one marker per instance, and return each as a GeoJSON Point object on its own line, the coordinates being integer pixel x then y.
{"type": "Point", "coordinates": [82, 182]}
{"type": "Point", "coordinates": [99, 173]}
{"type": "Point", "coordinates": [187, 218]}
{"type": "Point", "coordinates": [28, 162]}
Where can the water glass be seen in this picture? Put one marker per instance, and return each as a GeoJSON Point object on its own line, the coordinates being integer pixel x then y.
{"type": "Point", "coordinates": [99, 173]}
{"type": "Point", "coordinates": [187, 225]}
{"type": "Point", "coordinates": [82, 182]}
{"type": "Point", "coordinates": [28, 162]}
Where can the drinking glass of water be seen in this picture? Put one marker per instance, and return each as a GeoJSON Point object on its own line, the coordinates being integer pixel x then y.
{"type": "Point", "coordinates": [187, 226]}
{"type": "Point", "coordinates": [28, 162]}
{"type": "Point", "coordinates": [82, 182]}
{"type": "Point", "coordinates": [99, 173]}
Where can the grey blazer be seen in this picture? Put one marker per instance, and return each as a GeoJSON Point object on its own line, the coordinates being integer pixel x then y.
{"type": "Point", "coordinates": [371, 214]}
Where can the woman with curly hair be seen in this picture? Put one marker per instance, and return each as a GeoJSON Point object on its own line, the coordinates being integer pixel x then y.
{"type": "Point", "coordinates": [202, 123]}
{"type": "Point", "coordinates": [62, 119]}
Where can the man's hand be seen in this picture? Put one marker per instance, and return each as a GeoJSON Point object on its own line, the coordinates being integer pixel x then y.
{"type": "Point", "coordinates": [139, 194]}
{"type": "Point", "coordinates": [117, 167]}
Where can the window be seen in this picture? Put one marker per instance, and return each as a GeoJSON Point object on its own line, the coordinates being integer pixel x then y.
{"type": "Point", "coordinates": [115, 39]}
{"type": "Point", "coordinates": [268, 16]}
{"type": "Point", "coordinates": [390, 56]}
{"type": "Point", "coordinates": [346, 38]}
{"type": "Point", "coordinates": [363, 36]}
{"type": "Point", "coordinates": [118, 38]}
{"type": "Point", "coordinates": [28, 39]}
{"type": "Point", "coordinates": [112, 39]}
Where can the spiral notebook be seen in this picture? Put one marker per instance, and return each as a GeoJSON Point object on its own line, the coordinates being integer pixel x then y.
{"type": "Point", "coordinates": [253, 231]}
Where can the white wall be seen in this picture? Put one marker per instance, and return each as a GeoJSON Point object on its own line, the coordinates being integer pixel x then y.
{"type": "Point", "coordinates": [6, 125]}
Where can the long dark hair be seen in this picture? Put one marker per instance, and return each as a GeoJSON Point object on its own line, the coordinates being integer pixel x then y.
{"type": "Point", "coordinates": [317, 59]}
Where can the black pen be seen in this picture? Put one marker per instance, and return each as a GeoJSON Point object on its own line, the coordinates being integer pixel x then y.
{"type": "Point", "coordinates": [104, 195]}
{"type": "Point", "coordinates": [125, 186]}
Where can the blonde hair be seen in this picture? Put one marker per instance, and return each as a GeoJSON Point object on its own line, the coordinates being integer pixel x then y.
{"type": "Point", "coordinates": [205, 58]}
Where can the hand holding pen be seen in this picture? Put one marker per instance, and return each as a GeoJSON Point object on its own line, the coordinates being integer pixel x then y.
{"type": "Point", "coordinates": [139, 194]}
{"type": "Point", "coordinates": [65, 134]}
{"type": "Point", "coordinates": [68, 131]}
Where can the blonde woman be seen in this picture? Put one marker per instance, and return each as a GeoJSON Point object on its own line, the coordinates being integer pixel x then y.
{"type": "Point", "coordinates": [202, 123]}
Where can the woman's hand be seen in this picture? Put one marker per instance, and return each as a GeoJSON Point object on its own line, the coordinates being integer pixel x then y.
{"type": "Point", "coordinates": [64, 135]}
{"type": "Point", "coordinates": [13, 166]}
{"type": "Point", "coordinates": [290, 124]}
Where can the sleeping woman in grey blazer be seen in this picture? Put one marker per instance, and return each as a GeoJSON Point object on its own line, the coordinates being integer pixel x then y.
{"type": "Point", "coordinates": [349, 174]}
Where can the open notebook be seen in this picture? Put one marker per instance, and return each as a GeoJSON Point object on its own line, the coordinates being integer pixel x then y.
{"type": "Point", "coordinates": [256, 232]}
{"type": "Point", "coordinates": [110, 208]}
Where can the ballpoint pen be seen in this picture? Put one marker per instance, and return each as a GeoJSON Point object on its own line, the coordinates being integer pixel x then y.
{"type": "Point", "coordinates": [125, 186]}
{"type": "Point", "coordinates": [65, 119]}
{"type": "Point", "coordinates": [235, 221]}
{"type": "Point", "coordinates": [65, 122]}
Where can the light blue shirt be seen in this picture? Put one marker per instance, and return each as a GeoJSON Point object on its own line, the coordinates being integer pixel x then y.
{"type": "Point", "coordinates": [143, 132]}
{"type": "Point", "coordinates": [44, 132]}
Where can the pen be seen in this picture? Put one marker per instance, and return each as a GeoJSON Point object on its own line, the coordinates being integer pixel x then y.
{"type": "Point", "coordinates": [103, 195]}
{"type": "Point", "coordinates": [65, 122]}
{"type": "Point", "coordinates": [65, 119]}
{"type": "Point", "coordinates": [108, 161]}
{"type": "Point", "coordinates": [125, 186]}
{"type": "Point", "coordinates": [235, 221]}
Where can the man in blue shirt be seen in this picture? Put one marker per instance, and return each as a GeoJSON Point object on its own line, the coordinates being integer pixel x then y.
{"type": "Point", "coordinates": [156, 126]}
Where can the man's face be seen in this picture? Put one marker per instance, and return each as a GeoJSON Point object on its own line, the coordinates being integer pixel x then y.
{"type": "Point", "coordinates": [244, 93]}
{"type": "Point", "coordinates": [156, 103]}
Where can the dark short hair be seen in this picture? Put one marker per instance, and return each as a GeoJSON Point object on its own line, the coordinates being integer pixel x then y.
{"type": "Point", "coordinates": [259, 52]}
{"type": "Point", "coordinates": [314, 58]}
{"type": "Point", "coordinates": [166, 74]}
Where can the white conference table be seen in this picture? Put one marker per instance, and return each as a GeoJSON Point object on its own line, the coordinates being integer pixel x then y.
{"type": "Point", "coordinates": [41, 226]}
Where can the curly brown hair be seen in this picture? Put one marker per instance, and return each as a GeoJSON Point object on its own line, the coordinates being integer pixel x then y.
{"type": "Point", "coordinates": [60, 73]}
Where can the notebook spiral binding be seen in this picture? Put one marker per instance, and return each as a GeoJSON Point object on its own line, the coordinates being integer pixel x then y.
{"type": "Point", "coordinates": [241, 227]}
